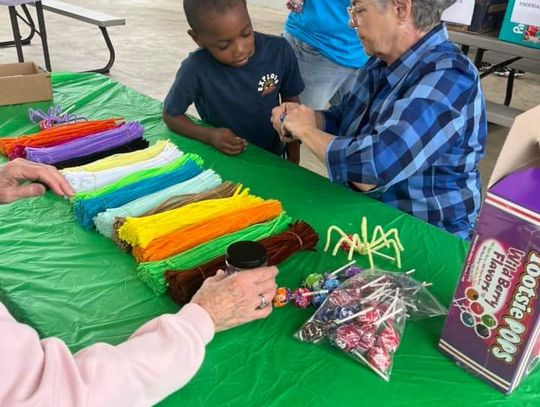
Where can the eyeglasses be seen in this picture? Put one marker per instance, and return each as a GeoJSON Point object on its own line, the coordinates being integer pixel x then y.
{"type": "Point", "coordinates": [353, 12]}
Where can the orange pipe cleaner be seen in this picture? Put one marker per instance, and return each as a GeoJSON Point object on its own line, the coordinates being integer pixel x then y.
{"type": "Point", "coordinates": [196, 234]}
{"type": "Point", "coordinates": [14, 146]}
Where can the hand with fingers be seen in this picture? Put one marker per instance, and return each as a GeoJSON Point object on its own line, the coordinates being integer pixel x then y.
{"type": "Point", "coordinates": [238, 299]}
{"type": "Point", "coordinates": [292, 120]}
{"type": "Point", "coordinates": [24, 179]}
{"type": "Point", "coordinates": [282, 114]}
{"type": "Point", "coordinates": [227, 142]}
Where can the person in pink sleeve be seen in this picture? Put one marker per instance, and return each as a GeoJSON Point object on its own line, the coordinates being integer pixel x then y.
{"type": "Point", "coordinates": [159, 358]}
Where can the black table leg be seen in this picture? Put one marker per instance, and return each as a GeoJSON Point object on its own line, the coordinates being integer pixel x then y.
{"type": "Point", "coordinates": [510, 87]}
{"type": "Point", "coordinates": [16, 32]}
{"type": "Point", "coordinates": [479, 57]}
{"type": "Point", "coordinates": [112, 54]}
{"type": "Point", "coordinates": [43, 34]}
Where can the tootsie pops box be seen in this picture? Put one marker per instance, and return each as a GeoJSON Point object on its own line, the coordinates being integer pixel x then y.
{"type": "Point", "coordinates": [493, 324]}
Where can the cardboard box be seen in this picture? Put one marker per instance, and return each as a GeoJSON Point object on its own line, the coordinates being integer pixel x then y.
{"type": "Point", "coordinates": [493, 325]}
{"type": "Point", "coordinates": [521, 34]}
{"type": "Point", "coordinates": [24, 83]}
{"type": "Point", "coordinates": [487, 16]}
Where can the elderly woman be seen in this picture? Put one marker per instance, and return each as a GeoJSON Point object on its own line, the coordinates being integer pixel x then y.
{"type": "Point", "coordinates": [412, 128]}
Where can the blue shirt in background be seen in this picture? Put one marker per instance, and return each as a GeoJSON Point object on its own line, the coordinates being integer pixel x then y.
{"type": "Point", "coordinates": [240, 99]}
{"type": "Point", "coordinates": [417, 129]}
{"type": "Point", "coordinates": [324, 25]}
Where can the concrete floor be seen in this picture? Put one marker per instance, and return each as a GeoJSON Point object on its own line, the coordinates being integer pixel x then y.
{"type": "Point", "coordinates": [154, 41]}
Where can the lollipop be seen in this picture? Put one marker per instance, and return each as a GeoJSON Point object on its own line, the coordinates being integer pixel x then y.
{"type": "Point", "coordinates": [282, 297]}
{"type": "Point", "coordinates": [314, 281]}
{"type": "Point", "coordinates": [312, 332]}
{"type": "Point", "coordinates": [331, 284]}
{"type": "Point", "coordinates": [299, 299]}
{"type": "Point", "coordinates": [317, 300]}
{"type": "Point", "coordinates": [352, 271]}
{"type": "Point", "coordinates": [347, 338]}
{"type": "Point", "coordinates": [380, 359]}
{"type": "Point", "coordinates": [389, 339]}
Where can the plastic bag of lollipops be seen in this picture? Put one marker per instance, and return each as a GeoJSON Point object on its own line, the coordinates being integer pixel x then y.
{"type": "Point", "coordinates": [365, 317]}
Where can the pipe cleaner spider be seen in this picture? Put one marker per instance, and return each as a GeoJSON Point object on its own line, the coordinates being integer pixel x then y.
{"type": "Point", "coordinates": [365, 247]}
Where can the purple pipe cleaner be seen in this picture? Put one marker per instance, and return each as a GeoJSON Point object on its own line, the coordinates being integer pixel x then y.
{"type": "Point", "coordinates": [53, 117]}
{"type": "Point", "coordinates": [87, 145]}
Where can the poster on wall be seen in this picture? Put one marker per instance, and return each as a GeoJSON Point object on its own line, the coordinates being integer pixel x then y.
{"type": "Point", "coordinates": [526, 12]}
{"type": "Point", "coordinates": [461, 12]}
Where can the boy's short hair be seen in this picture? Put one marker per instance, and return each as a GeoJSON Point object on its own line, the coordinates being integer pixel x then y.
{"type": "Point", "coordinates": [195, 9]}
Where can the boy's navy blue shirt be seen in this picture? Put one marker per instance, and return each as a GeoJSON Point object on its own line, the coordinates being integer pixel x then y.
{"type": "Point", "coordinates": [240, 99]}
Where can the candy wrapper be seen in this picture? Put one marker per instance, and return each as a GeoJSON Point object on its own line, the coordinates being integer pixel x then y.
{"type": "Point", "coordinates": [365, 317]}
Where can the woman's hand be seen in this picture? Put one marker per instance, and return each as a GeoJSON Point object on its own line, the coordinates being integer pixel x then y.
{"type": "Point", "coordinates": [235, 300]}
{"type": "Point", "coordinates": [292, 121]}
{"type": "Point", "coordinates": [14, 174]}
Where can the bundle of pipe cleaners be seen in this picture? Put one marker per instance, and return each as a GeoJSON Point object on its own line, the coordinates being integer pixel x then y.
{"type": "Point", "coordinates": [152, 273]}
{"type": "Point", "coordinates": [15, 147]}
{"type": "Point", "coordinates": [183, 284]}
{"type": "Point", "coordinates": [141, 231]}
{"type": "Point", "coordinates": [108, 222]}
{"type": "Point", "coordinates": [86, 146]}
{"type": "Point", "coordinates": [224, 190]}
{"type": "Point", "coordinates": [120, 160]}
{"type": "Point", "coordinates": [230, 221]}
{"type": "Point", "coordinates": [87, 208]}
{"type": "Point", "coordinates": [162, 153]}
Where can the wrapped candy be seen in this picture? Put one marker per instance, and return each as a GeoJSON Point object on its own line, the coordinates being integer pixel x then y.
{"type": "Point", "coordinates": [365, 316]}
{"type": "Point", "coordinates": [331, 284]}
{"type": "Point", "coordinates": [314, 281]}
{"type": "Point", "coordinates": [317, 300]}
{"type": "Point", "coordinates": [347, 337]}
{"type": "Point", "coordinates": [312, 332]}
{"type": "Point", "coordinates": [282, 297]}
{"type": "Point", "coordinates": [352, 271]}
{"type": "Point", "coordinates": [300, 299]}
{"type": "Point", "coordinates": [315, 287]}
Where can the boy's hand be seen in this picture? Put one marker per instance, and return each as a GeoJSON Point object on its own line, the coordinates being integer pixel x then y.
{"type": "Point", "coordinates": [226, 141]}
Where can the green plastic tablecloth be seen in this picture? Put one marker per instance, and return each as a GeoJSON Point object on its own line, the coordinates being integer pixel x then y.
{"type": "Point", "coordinates": [75, 284]}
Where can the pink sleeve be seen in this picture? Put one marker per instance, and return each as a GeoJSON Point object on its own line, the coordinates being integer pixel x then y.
{"type": "Point", "coordinates": [159, 358]}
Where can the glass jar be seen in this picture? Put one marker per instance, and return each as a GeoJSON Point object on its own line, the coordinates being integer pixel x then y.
{"type": "Point", "coordinates": [245, 255]}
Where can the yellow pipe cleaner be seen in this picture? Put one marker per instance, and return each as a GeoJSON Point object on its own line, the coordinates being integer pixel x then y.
{"type": "Point", "coordinates": [141, 231]}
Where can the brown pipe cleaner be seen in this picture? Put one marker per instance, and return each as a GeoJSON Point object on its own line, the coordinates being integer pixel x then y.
{"type": "Point", "coordinates": [183, 284]}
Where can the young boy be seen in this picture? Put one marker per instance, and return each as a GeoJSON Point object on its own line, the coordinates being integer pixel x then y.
{"type": "Point", "coordinates": [235, 80]}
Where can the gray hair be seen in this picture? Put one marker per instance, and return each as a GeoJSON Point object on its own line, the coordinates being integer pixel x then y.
{"type": "Point", "coordinates": [426, 13]}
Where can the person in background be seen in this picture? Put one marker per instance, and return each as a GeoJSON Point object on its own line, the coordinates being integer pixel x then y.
{"type": "Point", "coordinates": [328, 51]}
{"type": "Point", "coordinates": [158, 359]}
{"type": "Point", "coordinates": [235, 80]}
{"type": "Point", "coordinates": [413, 128]}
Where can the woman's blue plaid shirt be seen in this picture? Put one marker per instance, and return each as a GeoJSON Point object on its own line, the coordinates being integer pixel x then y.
{"type": "Point", "coordinates": [417, 130]}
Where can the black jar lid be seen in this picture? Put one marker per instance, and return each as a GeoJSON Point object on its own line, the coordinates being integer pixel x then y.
{"type": "Point", "coordinates": [246, 255]}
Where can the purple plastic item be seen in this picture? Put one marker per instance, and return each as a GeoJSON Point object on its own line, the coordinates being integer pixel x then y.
{"type": "Point", "coordinates": [493, 325]}
{"type": "Point", "coordinates": [87, 145]}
